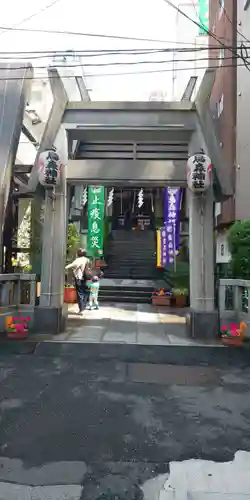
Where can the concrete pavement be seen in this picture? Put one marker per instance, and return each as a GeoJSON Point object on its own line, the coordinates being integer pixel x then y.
{"type": "Point", "coordinates": [75, 428]}
{"type": "Point", "coordinates": [140, 324]}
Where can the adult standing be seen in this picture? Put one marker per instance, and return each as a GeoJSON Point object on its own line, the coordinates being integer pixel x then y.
{"type": "Point", "coordinates": [81, 272]}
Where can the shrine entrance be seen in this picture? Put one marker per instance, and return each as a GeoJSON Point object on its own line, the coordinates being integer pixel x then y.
{"type": "Point", "coordinates": [133, 209]}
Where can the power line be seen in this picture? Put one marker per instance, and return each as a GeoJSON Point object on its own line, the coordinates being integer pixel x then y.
{"type": "Point", "coordinates": [95, 35]}
{"type": "Point", "coordinates": [99, 53]}
{"type": "Point", "coordinates": [194, 6]}
{"type": "Point", "coordinates": [26, 19]}
{"type": "Point", "coordinates": [242, 45]}
{"type": "Point", "coordinates": [202, 27]}
{"type": "Point", "coordinates": [238, 31]}
{"type": "Point", "coordinates": [141, 72]}
{"type": "Point", "coordinates": [102, 52]}
{"type": "Point", "coordinates": [118, 37]}
{"type": "Point", "coordinates": [118, 63]}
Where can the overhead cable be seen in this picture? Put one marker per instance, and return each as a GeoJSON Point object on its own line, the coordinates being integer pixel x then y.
{"type": "Point", "coordinates": [26, 19]}
{"type": "Point", "coordinates": [119, 63]}
{"type": "Point", "coordinates": [233, 50]}
{"type": "Point", "coordinates": [140, 72]}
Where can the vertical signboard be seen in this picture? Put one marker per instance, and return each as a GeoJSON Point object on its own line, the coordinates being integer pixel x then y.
{"type": "Point", "coordinates": [96, 206]}
{"type": "Point", "coordinates": [204, 16]}
{"type": "Point", "coordinates": [162, 256]}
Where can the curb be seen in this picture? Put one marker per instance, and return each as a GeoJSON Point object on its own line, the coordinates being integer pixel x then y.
{"type": "Point", "coordinates": [160, 354]}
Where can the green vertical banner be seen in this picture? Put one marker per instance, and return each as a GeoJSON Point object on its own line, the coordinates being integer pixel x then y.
{"type": "Point", "coordinates": [96, 210]}
{"type": "Point", "coordinates": [204, 16]}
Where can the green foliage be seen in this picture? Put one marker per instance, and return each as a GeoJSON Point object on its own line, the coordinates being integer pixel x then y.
{"type": "Point", "coordinates": [178, 276]}
{"type": "Point", "coordinates": [239, 246]}
{"type": "Point", "coordinates": [180, 291]}
{"type": "Point", "coordinates": [73, 241]}
{"type": "Point", "coordinates": [159, 222]}
{"type": "Point", "coordinates": [20, 266]}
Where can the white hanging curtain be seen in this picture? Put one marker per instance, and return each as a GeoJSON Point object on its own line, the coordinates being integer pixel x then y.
{"type": "Point", "coordinates": [84, 199]}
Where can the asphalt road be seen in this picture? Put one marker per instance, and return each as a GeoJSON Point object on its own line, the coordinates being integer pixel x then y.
{"type": "Point", "coordinates": [74, 428]}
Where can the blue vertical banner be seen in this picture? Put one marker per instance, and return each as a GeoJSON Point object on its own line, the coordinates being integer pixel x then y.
{"type": "Point", "coordinates": [172, 209]}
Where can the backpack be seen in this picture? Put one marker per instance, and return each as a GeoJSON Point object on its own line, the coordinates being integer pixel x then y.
{"type": "Point", "coordinates": [87, 273]}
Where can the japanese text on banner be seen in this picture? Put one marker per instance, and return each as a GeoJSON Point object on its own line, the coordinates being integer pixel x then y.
{"type": "Point", "coordinates": [163, 238]}
{"type": "Point", "coordinates": [96, 205]}
{"type": "Point", "coordinates": [172, 207]}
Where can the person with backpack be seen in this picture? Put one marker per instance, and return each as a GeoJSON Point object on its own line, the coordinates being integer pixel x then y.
{"type": "Point", "coordinates": [81, 267]}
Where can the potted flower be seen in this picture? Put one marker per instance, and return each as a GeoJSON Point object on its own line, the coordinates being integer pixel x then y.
{"type": "Point", "coordinates": [162, 297]}
{"type": "Point", "coordinates": [69, 294]}
{"type": "Point", "coordinates": [17, 327]}
{"type": "Point", "coordinates": [180, 296]}
{"type": "Point", "coordinates": [233, 334]}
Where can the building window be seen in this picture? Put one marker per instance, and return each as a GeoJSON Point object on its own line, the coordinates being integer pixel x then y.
{"type": "Point", "coordinates": [222, 6]}
{"type": "Point", "coordinates": [220, 106]}
{"type": "Point", "coordinates": [221, 56]}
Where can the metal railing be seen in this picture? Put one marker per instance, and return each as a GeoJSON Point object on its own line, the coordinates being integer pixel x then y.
{"type": "Point", "coordinates": [17, 291]}
{"type": "Point", "coordinates": [234, 297]}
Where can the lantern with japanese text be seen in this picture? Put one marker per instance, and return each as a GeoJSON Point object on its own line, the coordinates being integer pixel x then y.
{"type": "Point", "coordinates": [49, 168]}
{"type": "Point", "coordinates": [199, 173]}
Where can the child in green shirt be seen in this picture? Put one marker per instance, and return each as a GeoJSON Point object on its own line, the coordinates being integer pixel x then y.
{"type": "Point", "coordinates": [93, 286]}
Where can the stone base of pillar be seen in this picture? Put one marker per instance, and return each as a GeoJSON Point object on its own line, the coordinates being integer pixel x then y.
{"type": "Point", "coordinates": [50, 320]}
{"type": "Point", "coordinates": [203, 324]}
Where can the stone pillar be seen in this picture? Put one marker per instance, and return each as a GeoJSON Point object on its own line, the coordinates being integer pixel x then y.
{"type": "Point", "coordinates": [37, 205]}
{"type": "Point", "coordinates": [203, 320]}
{"type": "Point", "coordinates": [51, 313]}
{"type": "Point", "coordinates": [47, 250]}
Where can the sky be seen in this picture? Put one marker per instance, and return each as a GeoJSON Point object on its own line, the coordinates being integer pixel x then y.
{"type": "Point", "coordinates": [152, 19]}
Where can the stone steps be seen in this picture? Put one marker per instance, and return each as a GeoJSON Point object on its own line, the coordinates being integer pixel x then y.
{"type": "Point", "coordinates": [142, 276]}
{"type": "Point", "coordinates": [131, 255]}
{"type": "Point", "coordinates": [133, 294]}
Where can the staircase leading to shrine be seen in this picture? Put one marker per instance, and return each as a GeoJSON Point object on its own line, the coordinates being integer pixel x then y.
{"type": "Point", "coordinates": [131, 255]}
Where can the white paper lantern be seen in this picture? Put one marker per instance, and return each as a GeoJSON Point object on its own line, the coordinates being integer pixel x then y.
{"type": "Point", "coordinates": [199, 173]}
{"type": "Point", "coordinates": [49, 168]}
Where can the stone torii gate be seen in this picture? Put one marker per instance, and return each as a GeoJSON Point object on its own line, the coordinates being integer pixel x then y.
{"type": "Point", "coordinates": [186, 124]}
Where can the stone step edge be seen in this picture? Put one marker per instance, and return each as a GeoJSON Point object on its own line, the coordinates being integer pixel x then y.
{"type": "Point", "coordinates": [180, 355]}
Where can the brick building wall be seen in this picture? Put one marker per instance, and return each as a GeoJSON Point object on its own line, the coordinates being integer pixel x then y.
{"type": "Point", "coordinates": [242, 197]}
{"type": "Point", "coordinates": [223, 97]}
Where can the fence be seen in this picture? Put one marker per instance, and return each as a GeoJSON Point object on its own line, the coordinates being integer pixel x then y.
{"type": "Point", "coordinates": [17, 296]}
{"type": "Point", "coordinates": [234, 296]}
